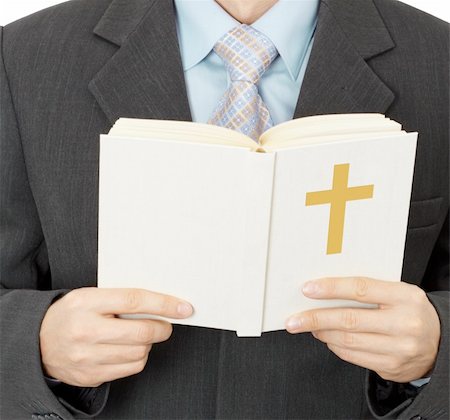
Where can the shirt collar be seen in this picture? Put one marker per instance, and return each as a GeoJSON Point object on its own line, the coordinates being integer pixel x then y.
{"type": "Point", "coordinates": [201, 23]}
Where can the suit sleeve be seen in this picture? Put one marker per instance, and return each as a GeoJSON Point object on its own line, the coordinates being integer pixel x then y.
{"type": "Point", "coordinates": [388, 400]}
{"type": "Point", "coordinates": [25, 279]}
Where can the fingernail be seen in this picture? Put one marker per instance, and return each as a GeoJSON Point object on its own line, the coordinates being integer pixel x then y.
{"type": "Point", "coordinates": [293, 324]}
{"type": "Point", "coordinates": [310, 288]}
{"type": "Point", "coordinates": [185, 309]}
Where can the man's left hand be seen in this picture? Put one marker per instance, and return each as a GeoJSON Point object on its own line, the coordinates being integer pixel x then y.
{"type": "Point", "coordinates": [398, 340]}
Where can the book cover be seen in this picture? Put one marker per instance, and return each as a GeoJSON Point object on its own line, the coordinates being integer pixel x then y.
{"type": "Point", "coordinates": [237, 232]}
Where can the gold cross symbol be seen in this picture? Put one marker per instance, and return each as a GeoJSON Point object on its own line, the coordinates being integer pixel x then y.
{"type": "Point", "coordinates": [337, 198]}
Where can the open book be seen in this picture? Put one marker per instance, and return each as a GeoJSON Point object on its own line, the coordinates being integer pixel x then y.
{"type": "Point", "coordinates": [236, 227]}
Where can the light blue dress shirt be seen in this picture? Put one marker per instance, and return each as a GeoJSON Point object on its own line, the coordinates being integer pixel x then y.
{"type": "Point", "coordinates": [289, 24]}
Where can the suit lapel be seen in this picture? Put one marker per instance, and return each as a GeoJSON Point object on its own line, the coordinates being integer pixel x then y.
{"type": "Point", "coordinates": [144, 79]}
{"type": "Point", "coordinates": [338, 78]}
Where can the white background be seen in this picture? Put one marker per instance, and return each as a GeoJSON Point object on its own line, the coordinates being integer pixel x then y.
{"type": "Point", "coordinates": [11, 10]}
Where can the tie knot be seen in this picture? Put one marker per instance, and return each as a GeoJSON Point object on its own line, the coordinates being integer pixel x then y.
{"type": "Point", "coordinates": [246, 52]}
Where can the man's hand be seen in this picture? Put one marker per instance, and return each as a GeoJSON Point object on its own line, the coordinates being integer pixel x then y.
{"type": "Point", "coordinates": [398, 340]}
{"type": "Point", "coordinates": [84, 344]}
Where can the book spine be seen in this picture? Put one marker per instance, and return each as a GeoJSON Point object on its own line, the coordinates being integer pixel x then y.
{"type": "Point", "coordinates": [259, 185]}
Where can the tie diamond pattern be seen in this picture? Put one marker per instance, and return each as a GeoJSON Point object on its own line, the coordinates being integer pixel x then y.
{"type": "Point", "coordinates": [247, 54]}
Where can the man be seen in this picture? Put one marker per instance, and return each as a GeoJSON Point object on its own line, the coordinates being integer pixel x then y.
{"type": "Point", "coordinates": [67, 74]}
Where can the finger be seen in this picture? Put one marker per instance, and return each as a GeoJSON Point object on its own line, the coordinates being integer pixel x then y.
{"type": "Point", "coordinates": [140, 301]}
{"type": "Point", "coordinates": [108, 373]}
{"type": "Point", "coordinates": [107, 354]}
{"type": "Point", "coordinates": [361, 289]}
{"type": "Point", "coordinates": [133, 331]}
{"type": "Point", "coordinates": [343, 319]}
{"type": "Point", "coordinates": [363, 342]}
{"type": "Point", "coordinates": [372, 361]}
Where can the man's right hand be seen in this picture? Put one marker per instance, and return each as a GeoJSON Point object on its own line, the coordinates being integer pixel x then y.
{"type": "Point", "coordinates": [84, 344]}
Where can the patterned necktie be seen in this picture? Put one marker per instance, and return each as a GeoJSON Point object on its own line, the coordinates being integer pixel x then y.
{"type": "Point", "coordinates": [247, 54]}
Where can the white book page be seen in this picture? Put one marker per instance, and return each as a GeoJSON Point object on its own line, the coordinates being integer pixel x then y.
{"type": "Point", "coordinates": [374, 229]}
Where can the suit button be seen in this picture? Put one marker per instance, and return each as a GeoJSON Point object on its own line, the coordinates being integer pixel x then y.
{"type": "Point", "coordinates": [417, 417]}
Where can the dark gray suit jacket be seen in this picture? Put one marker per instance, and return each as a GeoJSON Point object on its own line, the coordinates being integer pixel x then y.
{"type": "Point", "coordinates": [68, 73]}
